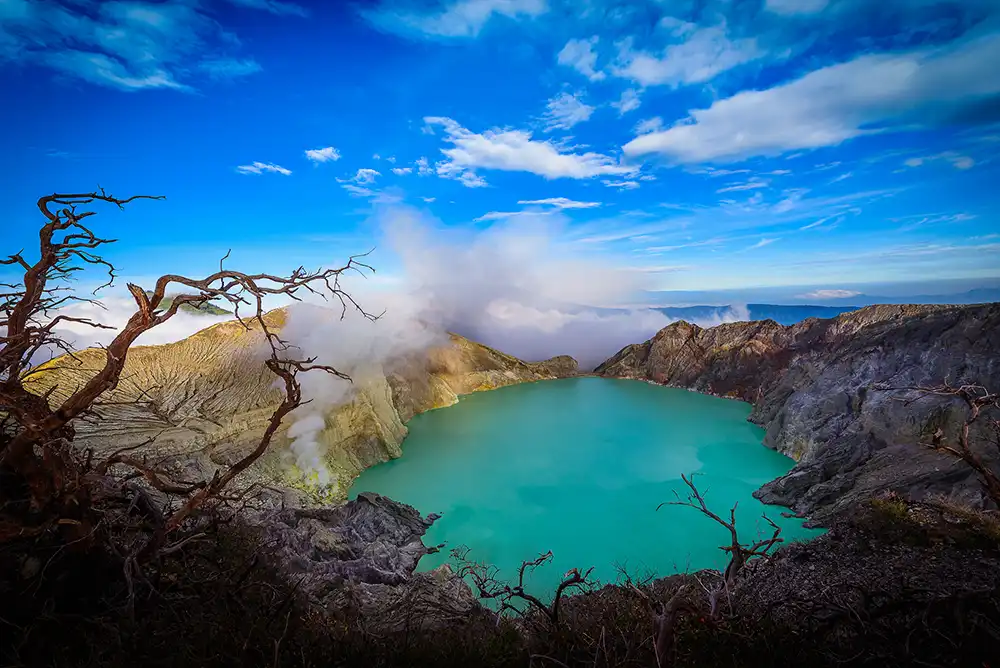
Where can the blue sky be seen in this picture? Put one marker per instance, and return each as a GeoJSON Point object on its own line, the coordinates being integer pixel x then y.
{"type": "Point", "coordinates": [706, 145]}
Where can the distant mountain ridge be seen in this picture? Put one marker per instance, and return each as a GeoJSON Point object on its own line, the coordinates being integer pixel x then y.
{"type": "Point", "coordinates": [858, 297]}
{"type": "Point", "coordinates": [783, 314]}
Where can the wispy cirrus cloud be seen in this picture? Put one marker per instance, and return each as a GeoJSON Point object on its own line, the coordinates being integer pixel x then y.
{"type": "Point", "coordinates": [560, 203]}
{"type": "Point", "coordinates": [229, 68]}
{"type": "Point", "coordinates": [455, 19]}
{"type": "Point", "coordinates": [752, 184]}
{"type": "Point", "coordinates": [581, 55]}
{"type": "Point", "coordinates": [796, 6]}
{"type": "Point", "coordinates": [697, 54]}
{"type": "Point", "coordinates": [629, 101]}
{"type": "Point", "coordinates": [956, 160]}
{"type": "Point", "coordinates": [564, 111]}
{"type": "Point", "coordinates": [128, 45]}
{"type": "Point", "coordinates": [762, 243]}
{"type": "Point", "coordinates": [362, 185]}
{"type": "Point", "coordinates": [649, 125]}
{"type": "Point", "coordinates": [263, 168]}
{"type": "Point", "coordinates": [627, 184]}
{"type": "Point", "coordinates": [273, 6]}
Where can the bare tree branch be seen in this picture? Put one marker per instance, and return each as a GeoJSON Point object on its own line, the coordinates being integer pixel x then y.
{"type": "Point", "coordinates": [36, 438]}
{"type": "Point", "coordinates": [739, 553]}
{"type": "Point", "coordinates": [977, 399]}
{"type": "Point", "coordinates": [490, 587]}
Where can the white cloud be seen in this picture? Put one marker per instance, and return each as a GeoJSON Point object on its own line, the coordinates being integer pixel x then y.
{"type": "Point", "coordinates": [796, 6]}
{"type": "Point", "coordinates": [561, 203]}
{"type": "Point", "coordinates": [924, 220]}
{"type": "Point", "coordinates": [752, 184]}
{"type": "Point", "coordinates": [842, 177]}
{"type": "Point", "coordinates": [516, 151]}
{"type": "Point", "coordinates": [429, 199]}
{"type": "Point", "coordinates": [273, 6]}
{"type": "Point", "coordinates": [629, 101]}
{"type": "Point", "coordinates": [464, 175]}
{"type": "Point", "coordinates": [459, 18]}
{"type": "Point", "coordinates": [360, 184]}
{"type": "Point", "coordinates": [564, 111]}
{"type": "Point", "coordinates": [402, 171]}
{"type": "Point", "coordinates": [229, 68]}
{"type": "Point", "coordinates": [126, 45]}
{"type": "Point", "coordinates": [715, 172]}
{"type": "Point", "coordinates": [503, 215]}
{"type": "Point", "coordinates": [621, 185]}
{"type": "Point", "coordinates": [649, 125]}
{"type": "Point", "coordinates": [834, 104]}
{"type": "Point", "coordinates": [581, 56]}
{"type": "Point", "coordinates": [423, 167]}
{"type": "Point", "coordinates": [762, 243]}
{"type": "Point", "coordinates": [705, 53]}
{"type": "Point", "coordinates": [829, 294]}
{"type": "Point", "coordinates": [365, 176]}
{"type": "Point", "coordinates": [837, 218]}
{"type": "Point", "coordinates": [328, 154]}
{"type": "Point", "coordinates": [956, 160]}
{"type": "Point", "coordinates": [261, 167]}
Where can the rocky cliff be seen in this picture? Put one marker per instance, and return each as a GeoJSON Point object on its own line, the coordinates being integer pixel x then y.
{"type": "Point", "coordinates": [811, 385]}
{"type": "Point", "coordinates": [206, 399]}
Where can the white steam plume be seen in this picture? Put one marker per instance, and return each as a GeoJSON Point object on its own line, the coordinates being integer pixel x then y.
{"type": "Point", "coordinates": [512, 287]}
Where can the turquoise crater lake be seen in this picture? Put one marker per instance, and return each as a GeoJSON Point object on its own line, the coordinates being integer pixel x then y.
{"type": "Point", "coordinates": [578, 466]}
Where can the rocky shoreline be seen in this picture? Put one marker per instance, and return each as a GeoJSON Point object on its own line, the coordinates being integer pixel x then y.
{"type": "Point", "coordinates": [813, 388]}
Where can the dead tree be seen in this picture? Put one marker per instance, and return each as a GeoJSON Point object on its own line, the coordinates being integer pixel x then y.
{"type": "Point", "coordinates": [665, 615]}
{"type": "Point", "coordinates": [977, 399]}
{"type": "Point", "coordinates": [490, 587]}
{"type": "Point", "coordinates": [739, 553]}
{"type": "Point", "coordinates": [46, 482]}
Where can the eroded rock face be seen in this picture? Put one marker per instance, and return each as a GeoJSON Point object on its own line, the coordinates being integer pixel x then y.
{"type": "Point", "coordinates": [362, 556]}
{"type": "Point", "coordinates": [811, 387]}
{"type": "Point", "coordinates": [207, 399]}
{"type": "Point", "coordinates": [371, 539]}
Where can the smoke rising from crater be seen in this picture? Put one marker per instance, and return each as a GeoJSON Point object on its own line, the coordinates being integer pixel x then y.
{"type": "Point", "coordinates": [513, 286]}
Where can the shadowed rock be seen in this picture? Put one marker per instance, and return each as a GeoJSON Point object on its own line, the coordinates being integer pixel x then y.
{"type": "Point", "coordinates": [811, 387]}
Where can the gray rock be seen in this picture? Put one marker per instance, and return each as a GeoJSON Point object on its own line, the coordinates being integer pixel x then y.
{"type": "Point", "coordinates": [362, 556]}
{"type": "Point", "coordinates": [811, 385]}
